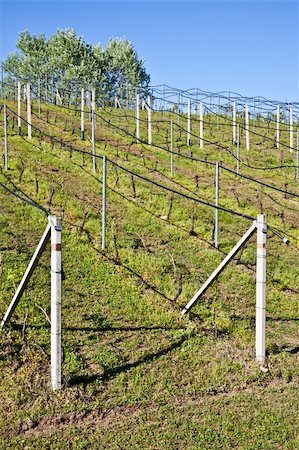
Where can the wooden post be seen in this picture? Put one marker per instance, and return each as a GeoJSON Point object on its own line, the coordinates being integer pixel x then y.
{"type": "Point", "coordinates": [19, 107]}
{"type": "Point", "coordinates": [234, 123]}
{"type": "Point", "coordinates": [291, 130]}
{"type": "Point", "coordinates": [5, 138]}
{"type": "Point", "coordinates": [247, 127]}
{"type": "Point", "coordinates": [189, 122]}
{"type": "Point", "coordinates": [137, 117]}
{"type": "Point", "coordinates": [201, 125]}
{"type": "Point", "coordinates": [104, 202]}
{"type": "Point", "coordinates": [217, 167]}
{"type": "Point", "coordinates": [171, 149]}
{"type": "Point", "coordinates": [277, 126]}
{"type": "Point", "coordinates": [56, 353]}
{"type": "Point", "coordinates": [82, 113]}
{"type": "Point", "coordinates": [29, 111]}
{"type": "Point", "coordinates": [149, 120]}
{"type": "Point", "coordinates": [261, 253]}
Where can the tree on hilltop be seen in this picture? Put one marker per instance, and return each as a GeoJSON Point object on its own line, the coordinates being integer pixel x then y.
{"type": "Point", "coordinates": [70, 63]}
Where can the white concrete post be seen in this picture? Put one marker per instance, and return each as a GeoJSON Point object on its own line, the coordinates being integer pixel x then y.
{"type": "Point", "coordinates": [104, 202]}
{"type": "Point", "coordinates": [260, 333]}
{"type": "Point", "coordinates": [88, 103]}
{"type": "Point", "coordinates": [5, 138]}
{"type": "Point", "coordinates": [93, 99]}
{"type": "Point", "coordinates": [29, 111]}
{"type": "Point", "coordinates": [149, 120]}
{"type": "Point", "coordinates": [201, 125]}
{"type": "Point", "coordinates": [93, 141]}
{"type": "Point", "coordinates": [171, 149]}
{"type": "Point", "coordinates": [291, 130]}
{"type": "Point", "coordinates": [82, 113]}
{"type": "Point", "coordinates": [56, 352]}
{"type": "Point", "coordinates": [19, 107]}
{"type": "Point", "coordinates": [189, 122]}
{"type": "Point", "coordinates": [137, 117]}
{"type": "Point", "coordinates": [217, 167]}
{"type": "Point", "coordinates": [39, 98]}
{"type": "Point", "coordinates": [297, 156]}
{"type": "Point", "coordinates": [277, 126]}
{"type": "Point", "coordinates": [247, 127]}
{"type": "Point", "coordinates": [238, 149]}
{"type": "Point", "coordinates": [234, 123]}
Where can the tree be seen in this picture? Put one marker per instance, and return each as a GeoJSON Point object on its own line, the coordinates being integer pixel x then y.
{"type": "Point", "coordinates": [124, 68]}
{"type": "Point", "coordinates": [71, 63]}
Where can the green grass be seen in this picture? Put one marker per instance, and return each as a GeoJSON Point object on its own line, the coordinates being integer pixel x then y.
{"type": "Point", "coordinates": [135, 373]}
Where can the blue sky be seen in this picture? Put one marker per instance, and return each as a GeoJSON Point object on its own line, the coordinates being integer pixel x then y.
{"type": "Point", "coordinates": [250, 47]}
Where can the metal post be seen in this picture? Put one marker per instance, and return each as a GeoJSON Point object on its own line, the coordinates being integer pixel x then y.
{"type": "Point", "coordinates": [19, 107]}
{"type": "Point", "coordinates": [201, 125]}
{"type": "Point", "coordinates": [104, 202]}
{"type": "Point", "coordinates": [82, 114]}
{"type": "Point", "coordinates": [291, 130]}
{"type": "Point", "coordinates": [5, 139]}
{"type": "Point", "coordinates": [277, 126]}
{"type": "Point", "coordinates": [247, 127]}
{"type": "Point", "coordinates": [29, 111]}
{"type": "Point", "coordinates": [297, 156]}
{"type": "Point", "coordinates": [189, 122]}
{"type": "Point", "coordinates": [56, 355]}
{"type": "Point", "coordinates": [137, 117]}
{"type": "Point", "coordinates": [216, 203]}
{"type": "Point", "coordinates": [261, 288]}
{"type": "Point", "coordinates": [238, 149]}
{"type": "Point", "coordinates": [149, 120]}
{"type": "Point", "coordinates": [171, 149]}
{"type": "Point", "coordinates": [234, 123]}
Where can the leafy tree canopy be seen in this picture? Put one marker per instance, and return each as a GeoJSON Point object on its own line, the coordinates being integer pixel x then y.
{"type": "Point", "coordinates": [69, 62]}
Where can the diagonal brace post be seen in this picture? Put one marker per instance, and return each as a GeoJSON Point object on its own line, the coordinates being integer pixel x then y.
{"type": "Point", "coordinates": [221, 266]}
{"type": "Point", "coordinates": [26, 277]}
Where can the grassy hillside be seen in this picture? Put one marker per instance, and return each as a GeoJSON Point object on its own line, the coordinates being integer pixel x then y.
{"type": "Point", "coordinates": [136, 374]}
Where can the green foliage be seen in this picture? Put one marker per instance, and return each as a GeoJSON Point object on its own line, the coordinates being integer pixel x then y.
{"type": "Point", "coordinates": [70, 62]}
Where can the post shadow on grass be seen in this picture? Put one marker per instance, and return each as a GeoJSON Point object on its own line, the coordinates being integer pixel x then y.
{"type": "Point", "coordinates": [128, 328]}
{"type": "Point", "coordinates": [114, 371]}
{"type": "Point", "coordinates": [277, 349]}
{"type": "Point", "coordinates": [129, 269]}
